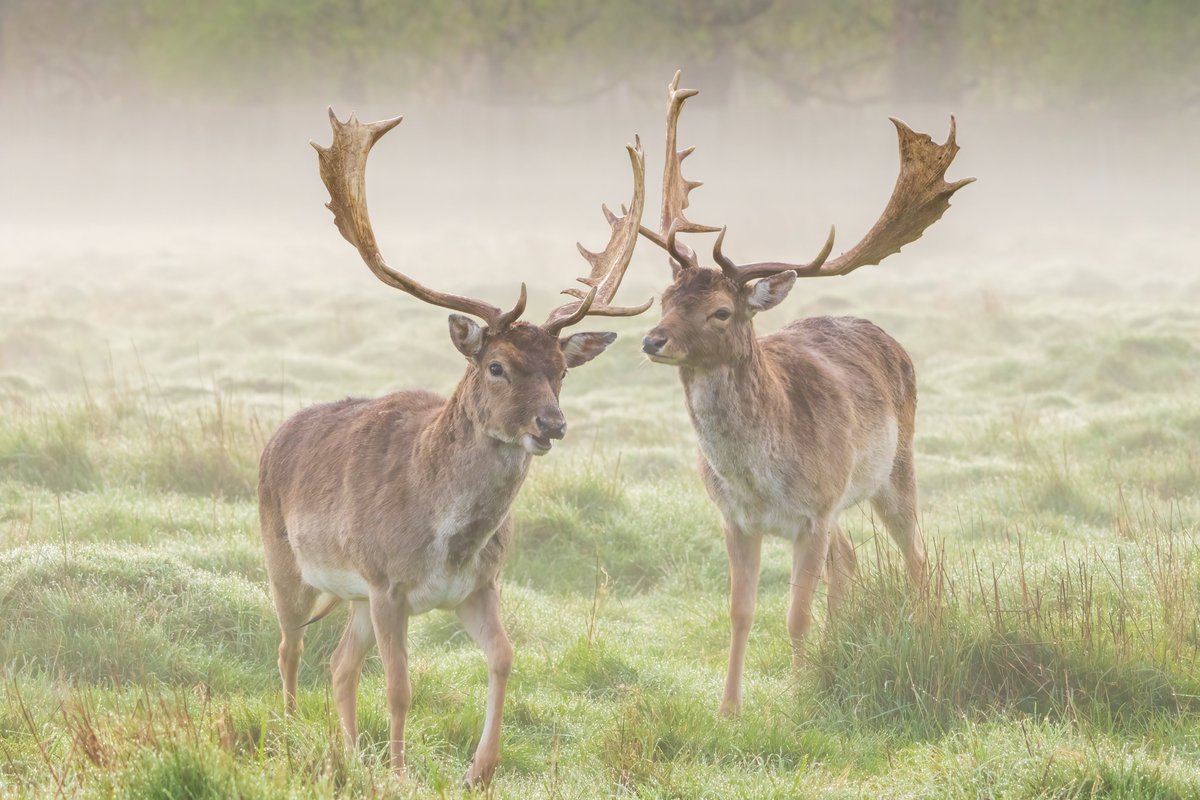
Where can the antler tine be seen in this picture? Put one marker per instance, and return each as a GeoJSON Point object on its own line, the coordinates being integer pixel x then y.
{"type": "Point", "coordinates": [609, 265]}
{"type": "Point", "coordinates": [743, 274]}
{"type": "Point", "coordinates": [565, 316]}
{"type": "Point", "coordinates": [343, 170]}
{"type": "Point", "coordinates": [681, 255]}
{"type": "Point", "coordinates": [513, 314]}
{"type": "Point", "coordinates": [678, 250]}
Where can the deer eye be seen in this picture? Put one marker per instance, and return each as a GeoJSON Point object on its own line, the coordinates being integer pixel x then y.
{"type": "Point", "coordinates": [723, 314]}
{"type": "Point", "coordinates": [495, 369]}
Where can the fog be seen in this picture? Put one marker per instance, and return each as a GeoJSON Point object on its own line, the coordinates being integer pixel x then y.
{"type": "Point", "coordinates": [172, 289]}
{"type": "Point", "coordinates": [469, 193]}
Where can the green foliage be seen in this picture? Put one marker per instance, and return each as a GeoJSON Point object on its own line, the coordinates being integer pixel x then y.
{"type": "Point", "coordinates": [1038, 53]}
{"type": "Point", "coordinates": [211, 451]}
{"type": "Point", "coordinates": [1056, 656]}
{"type": "Point", "coordinates": [190, 773]}
{"type": "Point", "coordinates": [48, 452]}
{"type": "Point", "coordinates": [105, 614]}
{"type": "Point", "coordinates": [1075, 641]}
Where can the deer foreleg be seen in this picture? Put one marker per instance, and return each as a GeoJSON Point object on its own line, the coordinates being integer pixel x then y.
{"type": "Point", "coordinates": [389, 616]}
{"type": "Point", "coordinates": [745, 551]}
{"type": "Point", "coordinates": [480, 615]}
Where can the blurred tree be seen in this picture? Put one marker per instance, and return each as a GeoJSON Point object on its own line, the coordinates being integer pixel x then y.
{"type": "Point", "coordinates": [718, 33]}
{"type": "Point", "coordinates": [5, 71]}
{"type": "Point", "coordinates": [1015, 52]}
{"type": "Point", "coordinates": [61, 50]}
{"type": "Point", "coordinates": [926, 38]}
{"type": "Point", "coordinates": [814, 52]}
{"type": "Point", "coordinates": [512, 45]}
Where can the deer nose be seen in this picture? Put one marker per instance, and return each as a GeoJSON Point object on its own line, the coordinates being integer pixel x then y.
{"type": "Point", "coordinates": [551, 424]}
{"type": "Point", "coordinates": [653, 342]}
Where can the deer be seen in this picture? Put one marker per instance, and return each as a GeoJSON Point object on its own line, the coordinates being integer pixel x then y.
{"type": "Point", "coordinates": [400, 505]}
{"type": "Point", "coordinates": [796, 426]}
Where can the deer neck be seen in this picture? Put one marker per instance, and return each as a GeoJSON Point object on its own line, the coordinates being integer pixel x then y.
{"type": "Point", "coordinates": [467, 468]}
{"type": "Point", "coordinates": [732, 405]}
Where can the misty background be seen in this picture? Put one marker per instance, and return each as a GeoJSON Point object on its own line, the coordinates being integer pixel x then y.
{"type": "Point", "coordinates": [172, 137]}
{"type": "Point", "coordinates": [172, 288]}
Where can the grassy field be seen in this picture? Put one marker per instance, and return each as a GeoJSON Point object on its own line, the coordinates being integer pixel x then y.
{"type": "Point", "coordinates": [1059, 459]}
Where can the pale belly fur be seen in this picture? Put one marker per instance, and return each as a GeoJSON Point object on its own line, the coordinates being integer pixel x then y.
{"type": "Point", "coordinates": [781, 515]}
{"type": "Point", "coordinates": [441, 587]}
{"type": "Point", "coordinates": [874, 467]}
{"type": "Point", "coordinates": [344, 584]}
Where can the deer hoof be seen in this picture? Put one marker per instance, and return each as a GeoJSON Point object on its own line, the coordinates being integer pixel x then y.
{"type": "Point", "coordinates": [479, 776]}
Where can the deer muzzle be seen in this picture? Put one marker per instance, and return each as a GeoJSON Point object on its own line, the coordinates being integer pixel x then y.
{"type": "Point", "coordinates": [656, 345]}
{"type": "Point", "coordinates": [550, 425]}
{"type": "Point", "coordinates": [654, 342]}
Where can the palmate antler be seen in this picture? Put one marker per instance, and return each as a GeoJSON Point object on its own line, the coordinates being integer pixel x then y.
{"type": "Point", "coordinates": [344, 170]}
{"type": "Point", "coordinates": [920, 197]}
{"type": "Point", "coordinates": [609, 265]}
{"type": "Point", "coordinates": [918, 200]}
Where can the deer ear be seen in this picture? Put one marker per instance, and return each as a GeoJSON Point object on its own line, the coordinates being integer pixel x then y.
{"type": "Point", "coordinates": [580, 348]}
{"type": "Point", "coordinates": [466, 335]}
{"type": "Point", "coordinates": [769, 292]}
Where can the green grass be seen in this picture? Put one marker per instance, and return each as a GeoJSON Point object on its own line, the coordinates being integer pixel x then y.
{"type": "Point", "coordinates": [1055, 656]}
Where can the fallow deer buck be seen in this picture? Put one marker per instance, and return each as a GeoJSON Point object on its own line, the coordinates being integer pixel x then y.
{"type": "Point", "coordinates": [400, 504]}
{"type": "Point", "coordinates": [796, 426]}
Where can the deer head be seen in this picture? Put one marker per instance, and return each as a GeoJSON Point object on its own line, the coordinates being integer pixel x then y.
{"type": "Point", "coordinates": [514, 369]}
{"type": "Point", "coordinates": [707, 313]}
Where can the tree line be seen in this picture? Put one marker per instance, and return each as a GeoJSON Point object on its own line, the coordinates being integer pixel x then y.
{"type": "Point", "coordinates": [1012, 53]}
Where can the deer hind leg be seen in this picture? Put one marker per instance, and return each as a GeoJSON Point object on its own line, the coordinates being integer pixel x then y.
{"type": "Point", "coordinates": [346, 666]}
{"type": "Point", "coordinates": [896, 504]}
{"type": "Point", "coordinates": [480, 615]}
{"type": "Point", "coordinates": [294, 601]}
{"type": "Point", "coordinates": [809, 554]}
{"type": "Point", "coordinates": [840, 567]}
{"type": "Point", "coordinates": [745, 558]}
{"type": "Point", "coordinates": [293, 612]}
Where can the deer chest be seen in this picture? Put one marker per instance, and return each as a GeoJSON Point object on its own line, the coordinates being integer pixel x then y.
{"type": "Point", "coordinates": [454, 562]}
{"type": "Point", "coordinates": [756, 499]}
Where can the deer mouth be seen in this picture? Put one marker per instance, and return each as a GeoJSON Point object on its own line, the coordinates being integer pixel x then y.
{"type": "Point", "coordinates": [663, 358]}
{"type": "Point", "coordinates": [536, 445]}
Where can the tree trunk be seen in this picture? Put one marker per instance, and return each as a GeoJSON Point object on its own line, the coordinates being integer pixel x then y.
{"type": "Point", "coordinates": [353, 83]}
{"type": "Point", "coordinates": [926, 67]}
{"type": "Point", "coordinates": [4, 76]}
